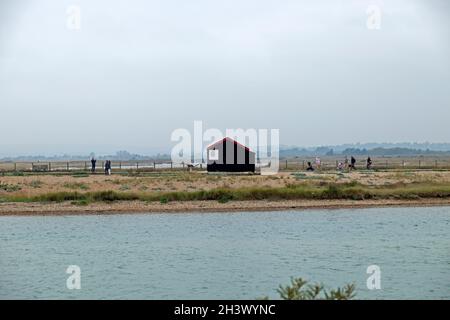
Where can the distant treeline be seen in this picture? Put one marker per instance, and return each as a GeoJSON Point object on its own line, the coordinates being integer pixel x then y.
{"type": "Point", "coordinates": [323, 151]}
{"type": "Point", "coordinates": [393, 152]}
{"type": "Point", "coordinates": [373, 149]}
{"type": "Point", "coordinates": [119, 155]}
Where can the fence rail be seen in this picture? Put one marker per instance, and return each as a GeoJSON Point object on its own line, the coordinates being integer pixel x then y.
{"type": "Point", "coordinates": [60, 166]}
{"type": "Point", "coordinates": [327, 164]}
{"type": "Point", "coordinates": [381, 163]}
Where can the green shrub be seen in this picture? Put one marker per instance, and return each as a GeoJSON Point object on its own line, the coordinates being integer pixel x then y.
{"type": "Point", "coordinates": [76, 185]}
{"type": "Point", "coordinates": [300, 290]}
{"type": "Point", "coordinates": [110, 196]}
{"type": "Point", "coordinates": [60, 197]}
{"type": "Point", "coordinates": [80, 203]}
{"type": "Point", "coordinates": [10, 187]}
{"type": "Point", "coordinates": [80, 174]}
{"type": "Point", "coordinates": [163, 200]}
{"type": "Point", "coordinates": [224, 198]}
{"type": "Point", "coordinates": [332, 192]}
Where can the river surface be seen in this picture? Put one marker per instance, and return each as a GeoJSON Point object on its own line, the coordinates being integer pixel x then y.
{"type": "Point", "coordinates": [226, 255]}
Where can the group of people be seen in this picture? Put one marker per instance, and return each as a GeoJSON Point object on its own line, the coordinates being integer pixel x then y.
{"type": "Point", "coordinates": [107, 166]}
{"type": "Point", "coordinates": [318, 165]}
{"type": "Point", "coordinates": [346, 165]}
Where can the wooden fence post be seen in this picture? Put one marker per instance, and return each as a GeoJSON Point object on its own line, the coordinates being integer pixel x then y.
{"type": "Point", "coordinates": [286, 164]}
{"type": "Point", "coordinates": [15, 166]}
{"type": "Point", "coordinates": [49, 166]}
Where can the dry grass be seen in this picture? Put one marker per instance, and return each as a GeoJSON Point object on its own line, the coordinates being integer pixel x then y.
{"type": "Point", "coordinates": [32, 185]}
{"type": "Point", "coordinates": [182, 186]}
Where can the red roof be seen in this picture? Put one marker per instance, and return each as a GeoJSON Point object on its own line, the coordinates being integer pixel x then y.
{"type": "Point", "coordinates": [228, 138]}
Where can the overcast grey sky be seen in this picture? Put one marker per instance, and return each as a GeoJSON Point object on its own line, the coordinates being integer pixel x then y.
{"type": "Point", "coordinates": [137, 70]}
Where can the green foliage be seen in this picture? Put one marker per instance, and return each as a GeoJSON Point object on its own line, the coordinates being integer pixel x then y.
{"type": "Point", "coordinates": [80, 203]}
{"type": "Point", "coordinates": [80, 174]}
{"type": "Point", "coordinates": [299, 289]}
{"type": "Point", "coordinates": [76, 185]}
{"type": "Point", "coordinates": [299, 175]}
{"type": "Point", "coordinates": [348, 191]}
{"type": "Point", "coordinates": [112, 196]}
{"type": "Point", "coordinates": [224, 198]}
{"type": "Point", "coordinates": [10, 187]}
{"type": "Point", "coordinates": [332, 192]}
{"type": "Point", "coordinates": [163, 200]}
{"type": "Point", "coordinates": [60, 197]}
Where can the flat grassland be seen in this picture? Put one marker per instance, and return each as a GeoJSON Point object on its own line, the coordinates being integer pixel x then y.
{"type": "Point", "coordinates": [26, 193]}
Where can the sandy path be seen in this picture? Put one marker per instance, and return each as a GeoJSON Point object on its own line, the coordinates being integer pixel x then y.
{"type": "Point", "coordinates": [16, 209]}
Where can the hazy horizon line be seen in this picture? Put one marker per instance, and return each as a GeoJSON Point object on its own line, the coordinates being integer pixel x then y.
{"type": "Point", "coordinates": [154, 151]}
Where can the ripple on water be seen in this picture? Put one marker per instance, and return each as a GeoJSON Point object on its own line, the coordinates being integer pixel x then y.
{"type": "Point", "coordinates": [238, 255]}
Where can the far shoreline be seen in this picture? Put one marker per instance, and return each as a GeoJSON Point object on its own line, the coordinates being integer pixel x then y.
{"type": "Point", "coordinates": [141, 207]}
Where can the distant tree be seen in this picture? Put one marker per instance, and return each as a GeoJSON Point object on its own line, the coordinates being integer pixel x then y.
{"type": "Point", "coordinates": [322, 150]}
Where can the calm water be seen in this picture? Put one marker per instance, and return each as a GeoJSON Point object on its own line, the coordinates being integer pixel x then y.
{"type": "Point", "coordinates": [226, 255]}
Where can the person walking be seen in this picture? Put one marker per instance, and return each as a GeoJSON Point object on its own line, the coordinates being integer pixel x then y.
{"type": "Point", "coordinates": [318, 163]}
{"type": "Point", "coordinates": [309, 167]}
{"type": "Point", "coordinates": [93, 164]}
{"type": "Point", "coordinates": [108, 167]}
{"type": "Point", "coordinates": [353, 163]}
{"type": "Point", "coordinates": [369, 163]}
